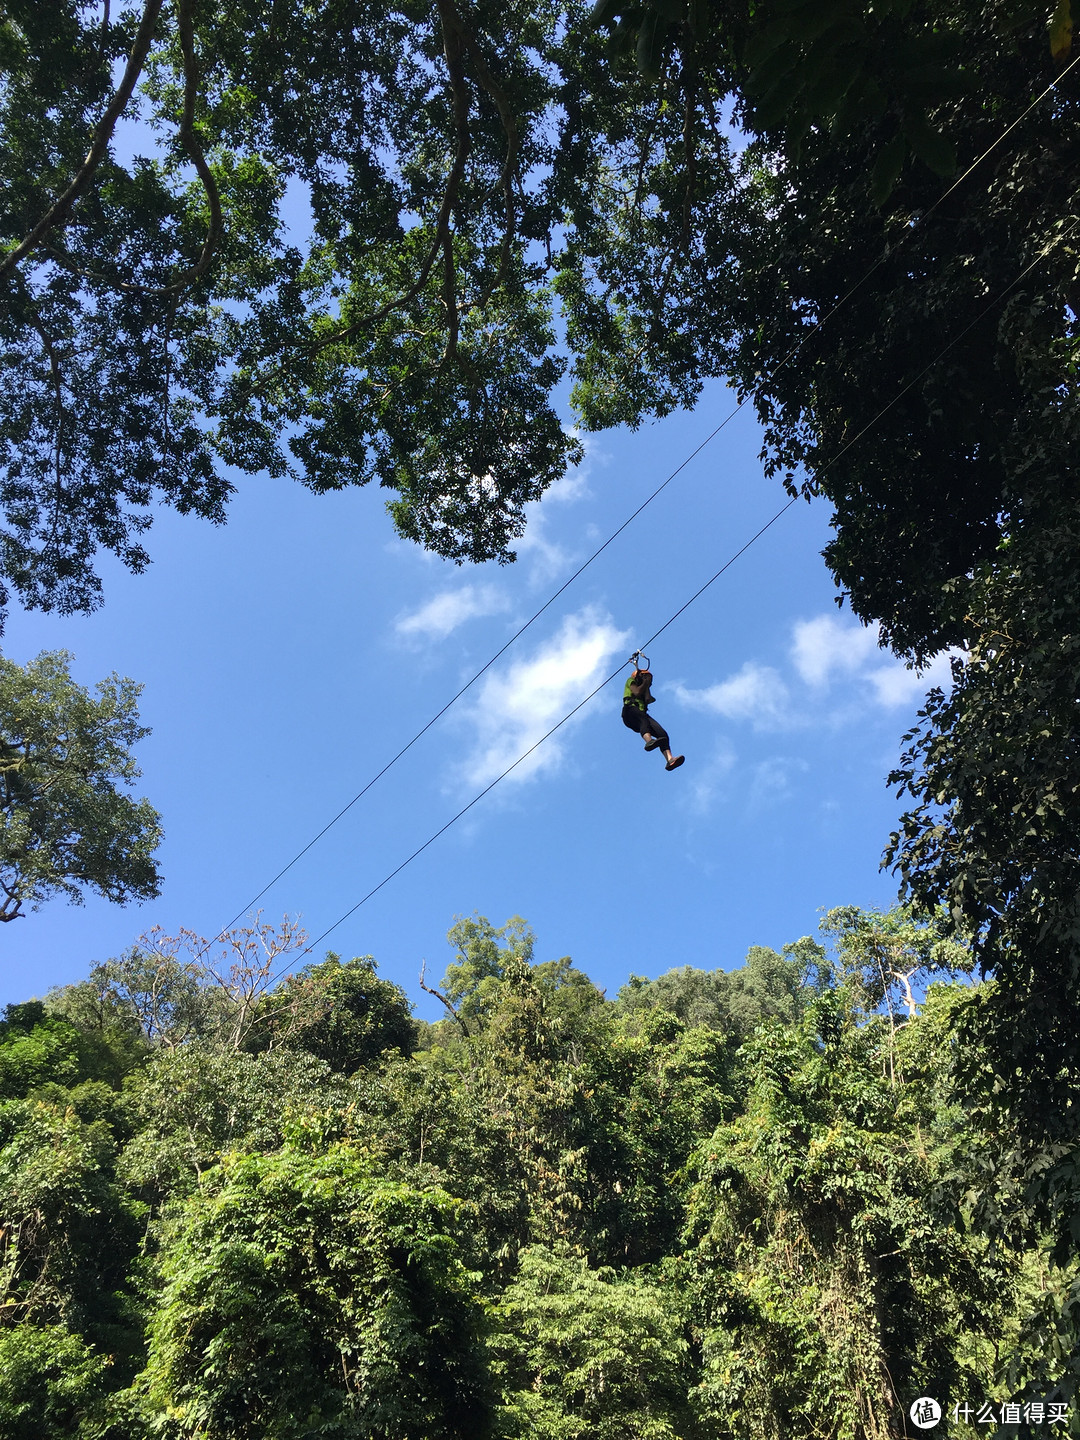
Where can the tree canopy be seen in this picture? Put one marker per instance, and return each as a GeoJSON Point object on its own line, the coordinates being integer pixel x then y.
{"type": "Point", "coordinates": [170, 316]}
{"type": "Point", "coordinates": [65, 759]}
{"type": "Point", "coordinates": [365, 244]}
{"type": "Point", "coordinates": [338, 245]}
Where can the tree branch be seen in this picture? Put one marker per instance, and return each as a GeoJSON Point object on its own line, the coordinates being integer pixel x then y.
{"type": "Point", "coordinates": [440, 996]}
{"type": "Point", "coordinates": [691, 158]}
{"type": "Point", "coordinates": [190, 142]}
{"type": "Point", "coordinates": [509, 166]}
{"type": "Point", "coordinates": [452, 49]}
{"type": "Point", "coordinates": [450, 296]}
{"type": "Point", "coordinates": [58, 395]}
{"type": "Point", "coordinates": [904, 978]}
{"type": "Point", "coordinates": [452, 32]}
{"type": "Point", "coordinates": [11, 906]}
{"type": "Point", "coordinates": [58, 213]}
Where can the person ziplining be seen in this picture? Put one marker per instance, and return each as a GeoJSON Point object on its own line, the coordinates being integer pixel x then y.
{"type": "Point", "coordinates": [637, 698]}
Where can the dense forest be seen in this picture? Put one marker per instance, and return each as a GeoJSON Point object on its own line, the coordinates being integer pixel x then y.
{"type": "Point", "coordinates": [767, 1201]}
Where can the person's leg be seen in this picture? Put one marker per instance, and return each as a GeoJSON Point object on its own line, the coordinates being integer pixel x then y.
{"type": "Point", "coordinates": [657, 735]}
{"type": "Point", "coordinates": [663, 743]}
{"type": "Point", "coordinates": [632, 718]}
{"type": "Point", "coordinates": [635, 719]}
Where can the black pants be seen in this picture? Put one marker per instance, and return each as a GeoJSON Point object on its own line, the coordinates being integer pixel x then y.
{"type": "Point", "coordinates": [645, 724]}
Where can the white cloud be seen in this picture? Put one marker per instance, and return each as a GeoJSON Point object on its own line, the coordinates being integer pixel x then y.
{"type": "Point", "coordinates": [442, 614]}
{"type": "Point", "coordinates": [897, 685]}
{"type": "Point", "coordinates": [574, 485]}
{"type": "Point", "coordinates": [756, 693]}
{"type": "Point", "coordinates": [547, 559]}
{"type": "Point", "coordinates": [518, 705]}
{"type": "Point", "coordinates": [827, 656]}
{"type": "Point", "coordinates": [825, 646]}
{"type": "Point", "coordinates": [824, 649]}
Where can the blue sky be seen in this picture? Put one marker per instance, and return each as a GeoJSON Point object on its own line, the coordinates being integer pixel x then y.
{"type": "Point", "coordinates": [288, 654]}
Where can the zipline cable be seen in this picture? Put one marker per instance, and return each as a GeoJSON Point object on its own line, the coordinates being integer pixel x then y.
{"type": "Point", "coordinates": [483, 669]}
{"type": "Point", "coordinates": [695, 596]}
{"type": "Point", "coordinates": [791, 354]}
{"type": "Point", "coordinates": [536, 744]}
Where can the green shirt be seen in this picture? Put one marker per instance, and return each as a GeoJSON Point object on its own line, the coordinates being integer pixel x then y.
{"type": "Point", "coordinates": [641, 701]}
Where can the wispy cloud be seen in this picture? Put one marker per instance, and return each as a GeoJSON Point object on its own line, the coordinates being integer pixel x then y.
{"type": "Point", "coordinates": [518, 705]}
{"type": "Point", "coordinates": [771, 781]}
{"type": "Point", "coordinates": [547, 558]}
{"type": "Point", "coordinates": [755, 693]}
{"type": "Point", "coordinates": [824, 650]}
{"type": "Point", "coordinates": [574, 485]}
{"type": "Point", "coordinates": [445, 612]}
{"type": "Point", "coordinates": [838, 670]}
{"type": "Point", "coordinates": [709, 779]}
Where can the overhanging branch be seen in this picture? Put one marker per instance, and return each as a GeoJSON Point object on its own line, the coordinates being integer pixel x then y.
{"type": "Point", "coordinates": [190, 142]}
{"type": "Point", "coordinates": [58, 213]}
{"type": "Point", "coordinates": [457, 40]}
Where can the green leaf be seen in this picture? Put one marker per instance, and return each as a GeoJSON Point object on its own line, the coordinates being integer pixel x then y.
{"type": "Point", "coordinates": [825, 95]}
{"type": "Point", "coordinates": [1061, 29]}
{"type": "Point", "coordinates": [604, 11]}
{"type": "Point", "coordinates": [887, 167]}
{"type": "Point", "coordinates": [930, 145]}
{"type": "Point", "coordinates": [765, 42]}
{"type": "Point", "coordinates": [650, 45]}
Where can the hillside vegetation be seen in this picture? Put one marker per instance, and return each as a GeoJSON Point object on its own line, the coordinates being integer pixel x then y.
{"type": "Point", "coordinates": [771, 1201]}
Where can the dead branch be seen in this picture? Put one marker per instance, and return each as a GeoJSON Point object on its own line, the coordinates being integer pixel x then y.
{"type": "Point", "coordinates": [245, 971]}
{"type": "Point", "coordinates": [903, 977]}
{"type": "Point", "coordinates": [440, 996]}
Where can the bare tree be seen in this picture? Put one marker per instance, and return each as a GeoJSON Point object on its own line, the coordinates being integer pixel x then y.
{"type": "Point", "coordinates": [246, 966]}
{"type": "Point", "coordinates": [226, 991]}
